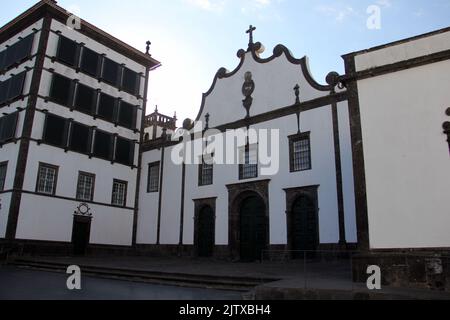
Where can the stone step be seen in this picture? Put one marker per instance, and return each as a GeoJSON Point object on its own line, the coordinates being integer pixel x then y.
{"type": "Point", "coordinates": [154, 277]}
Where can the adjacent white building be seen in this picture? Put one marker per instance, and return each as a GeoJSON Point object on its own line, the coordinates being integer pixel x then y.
{"type": "Point", "coordinates": [73, 101]}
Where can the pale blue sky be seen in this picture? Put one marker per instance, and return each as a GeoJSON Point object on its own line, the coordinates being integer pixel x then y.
{"type": "Point", "coordinates": [194, 38]}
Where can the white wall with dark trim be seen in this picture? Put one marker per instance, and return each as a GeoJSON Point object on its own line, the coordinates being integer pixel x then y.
{"type": "Point", "coordinates": [405, 151]}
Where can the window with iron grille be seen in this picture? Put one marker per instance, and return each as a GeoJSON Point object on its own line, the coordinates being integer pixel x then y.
{"type": "Point", "coordinates": [47, 179]}
{"type": "Point", "coordinates": [300, 152]}
{"type": "Point", "coordinates": [153, 177]}
{"type": "Point", "coordinates": [119, 193]}
{"type": "Point", "coordinates": [85, 187]}
{"type": "Point", "coordinates": [3, 168]}
{"type": "Point", "coordinates": [205, 172]}
{"type": "Point", "coordinates": [248, 167]}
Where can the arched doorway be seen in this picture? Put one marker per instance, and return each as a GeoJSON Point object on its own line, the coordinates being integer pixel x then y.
{"type": "Point", "coordinates": [206, 236]}
{"type": "Point", "coordinates": [304, 226]}
{"type": "Point", "coordinates": [253, 228]}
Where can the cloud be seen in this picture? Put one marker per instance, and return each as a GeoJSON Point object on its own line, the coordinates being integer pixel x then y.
{"type": "Point", "coordinates": [339, 13]}
{"type": "Point", "coordinates": [208, 5]}
{"type": "Point", "coordinates": [384, 3]}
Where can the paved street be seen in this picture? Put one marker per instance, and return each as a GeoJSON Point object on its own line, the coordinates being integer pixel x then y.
{"type": "Point", "coordinates": [37, 285]}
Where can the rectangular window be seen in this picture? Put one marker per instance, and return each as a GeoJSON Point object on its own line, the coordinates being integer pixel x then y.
{"type": "Point", "coordinates": [2, 60]}
{"type": "Point", "coordinates": [84, 98]}
{"type": "Point", "coordinates": [124, 151]}
{"type": "Point", "coordinates": [300, 152]}
{"type": "Point", "coordinates": [67, 51]}
{"type": "Point", "coordinates": [16, 86]}
{"type": "Point", "coordinates": [3, 169]}
{"type": "Point", "coordinates": [47, 179]}
{"type": "Point", "coordinates": [106, 107]}
{"type": "Point", "coordinates": [61, 88]}
{"type": "Point", "coordinates": [12, 88]}
{"type": "Point", "coordinates": [206, 171]}
{"type": "Point", "coordinates": [130, 81]}
{"type": "Point", "coordinates": [23, 49]}
{"type": "Point", "coordinates": [8, 126]}
{"type": "Point", "coordinates": [55, 129]}
{"type": "Point", "coordinates": [102, 145]}
{"type": "Point", "coordinates": [153, 177]}
{"type": "Point", "coordinates": [90, 62]}
{"type": "Point", "coordinates": [85, 186]}
{"type": "Point", "coordinates": [248, 167]}
{"type": "Point", "coordinates": [127, 113]}
{"type": "Point", "coordinates": [4, 87]}
{"type": "Point", "coordinates": [80, 138]}
{"type": "Point", "coordinates": [17, 53]}
{"type": "Point", "coordinates": [119, 193]}
{"type": "Point", "coordinates": [110, 72]}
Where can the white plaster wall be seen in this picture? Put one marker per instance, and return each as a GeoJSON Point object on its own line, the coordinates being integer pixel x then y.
{"type": "Point", "coordinates": [148, 203]}
{"type": "Point", "coordinates": [403, 51]}
{"type": "Point", "coordinates": [274, 83]}
{"type": "Point", "coordinates": [406, 157]}
{"type": "Point", "coordinates": [319, 122]}
{"type": "Point", "coordinates": [70, 164]}
{"type": "Point", "coordinates": [52, 220]}
{"type": "Point", "coordinates": [171, 201]}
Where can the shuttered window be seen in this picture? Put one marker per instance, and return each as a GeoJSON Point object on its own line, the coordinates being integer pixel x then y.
{"type": "Point", "coordinates": [80, 138]}
{"type": "Point", "coordinates": [103, 145]}
{"type": "Point", "coordinates": [60, 91]}
{"type": "Point", "coordinates": [67, 51]}
{"type": "Point", "coordinates": [124, 151]}
{"type": "Point", "coordinates": [55, 129]}
{"type": "Point", "coordinates": [90, 62]}
{"type": "Point", "coordinates": [8, 126]}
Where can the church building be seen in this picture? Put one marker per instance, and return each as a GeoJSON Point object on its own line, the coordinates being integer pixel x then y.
{"type": "Point", "coordinates": [359, 162]}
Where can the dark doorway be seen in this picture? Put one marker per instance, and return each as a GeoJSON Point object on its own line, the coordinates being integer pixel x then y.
{"type": "Point", "coordinates": [305, 234]}
{"type": "Point", "coordinates": [206, 236]}
{"type": "Point", "coordinates": [80, 235]}
{"type": "Point", "coordinates": [253, 227]}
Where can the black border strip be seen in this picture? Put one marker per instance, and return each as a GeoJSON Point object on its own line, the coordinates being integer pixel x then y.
{"type": "Point", "coordinates": [27, 128]}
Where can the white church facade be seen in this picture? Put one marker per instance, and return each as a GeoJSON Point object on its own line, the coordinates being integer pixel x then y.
{"type": "Point", "coordinates": [359, 163]}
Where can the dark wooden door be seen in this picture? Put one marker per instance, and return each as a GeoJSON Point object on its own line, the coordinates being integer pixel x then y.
{"type": "Point", "coordinates": [253, 225]}
{"type": "Point", "coordinates": [80, 235]}
{"type": "Point", "coordinates": [206, 236]}
{"type": "Point", "coordinates": [305, 234]}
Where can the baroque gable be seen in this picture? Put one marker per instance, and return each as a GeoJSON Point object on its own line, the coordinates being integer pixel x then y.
{"type": "Point", "coordinates": [259, 85]}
